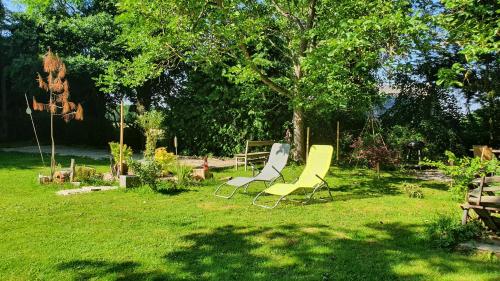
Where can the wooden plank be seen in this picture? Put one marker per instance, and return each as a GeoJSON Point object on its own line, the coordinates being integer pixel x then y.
{"type": "Point", "coordinates": [72, 170]}
{"type": "Point", "coordinates": [486, 218]}
{"type": "Point", "coordinates": [469, 206]}
{"type": "Point", "coordinates": [259, 143]}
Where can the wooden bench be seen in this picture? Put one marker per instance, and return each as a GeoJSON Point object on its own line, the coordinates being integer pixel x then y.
{"type": "Point", "coordinates": [485, 201]}
{"type": "Point", "coordinates": [253, 156]}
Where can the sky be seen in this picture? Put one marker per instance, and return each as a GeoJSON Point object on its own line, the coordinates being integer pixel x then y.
{"type": "Point", "coordinates": [12, 5]}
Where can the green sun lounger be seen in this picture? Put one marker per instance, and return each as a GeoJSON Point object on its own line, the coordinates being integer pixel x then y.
{"type": "Point", "coordinates": [310, 181]}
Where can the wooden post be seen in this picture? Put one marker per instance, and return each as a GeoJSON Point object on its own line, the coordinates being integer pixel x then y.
{"type": "Point", "coordinates": [72, 170]}
{"type": "Point", "coordinates": [175, 144]}
{"type": "Point", "coordinates": [121, 140]}
{"type": "Point", "coordinates": [338, 140]}
{"type": "Point", "coordinates": [307, 142]}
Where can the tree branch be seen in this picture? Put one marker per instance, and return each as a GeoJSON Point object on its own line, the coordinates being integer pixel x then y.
{"type": "Point", "coordinates": [263, 77]}
{"type": "Point", "coordinates": [288, 15]}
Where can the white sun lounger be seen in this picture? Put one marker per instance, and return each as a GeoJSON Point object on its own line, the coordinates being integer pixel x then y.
{"type": "Point", "coordinates": [278, 158]}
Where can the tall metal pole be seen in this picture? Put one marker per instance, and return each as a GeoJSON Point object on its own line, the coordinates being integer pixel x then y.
{"type": "Point", "coordinates": [28, 110]}
{"type": "Point", "coordinates": [121, 139]}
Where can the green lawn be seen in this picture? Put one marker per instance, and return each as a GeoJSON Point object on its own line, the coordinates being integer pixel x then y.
{"type": "Point", "coordinates": [372, 231]}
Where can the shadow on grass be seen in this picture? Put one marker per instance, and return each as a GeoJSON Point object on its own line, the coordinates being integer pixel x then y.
{"type": "Point", "coordinates": [90, 269]}
{"type": "Point", "coordinates": [290, 251]}
{"type": "Point", "coordinates": [19, 160]}
{"type": "Point", "coordinates": [307, 253]}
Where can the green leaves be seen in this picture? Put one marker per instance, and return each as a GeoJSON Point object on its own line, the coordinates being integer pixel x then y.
{"type": "Point", "coordinates": [472, 26]}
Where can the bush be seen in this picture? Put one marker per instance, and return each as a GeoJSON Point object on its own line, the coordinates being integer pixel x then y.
{"type": "Point", "coordinates": [413, 190]}
{"type": "Point", "coordinates": [399, 136]}
{"type": "Point", "coordinates": [447, 232]}
{"type": "Point", "coordinates": [164, 159]}
{"type": "Point", "coordinates": [183, 174]}
{"type": "Point", "coordinates": [463, 171]}
{"type": "Point", "coordinates": [151, 122]}
{"type": "Point", "coordinates": [148, 173]}
{"type": "Point", "coordinates": [84, 173]}
{"type": "Point", "coordinates": [115, 152]}
{"type": "Point", "coordinates": [95, 180]}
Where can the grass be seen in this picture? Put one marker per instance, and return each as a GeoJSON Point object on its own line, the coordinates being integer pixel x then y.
{"type": "Point", "coordinates": [371, 231]}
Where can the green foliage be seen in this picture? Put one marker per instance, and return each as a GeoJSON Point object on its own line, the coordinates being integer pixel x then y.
{"type": "Point", "coordinates": [151, 123]}
{"type": "Point", "coordinates": [462, 171]}
{"type": "Point", "coordinates": [148, 173]}
{"type": "Point", "coordinates": [473, 27]}
{"type": "Point", "coordinates": [214, 116]}
{"type": "Point", "coordinates": [413, 190]}
{"type": "Point", "coordinates": [183, 174]}
{"type": "Point", "coordinates": [164, 159]}
{"type": "Point", "coordinates": [96, 180]}
{"type": "Point", "coordinates": [447, 232]}
{"type": "Point", "coordinates": [399, 136]}
{"type": "Point", "coordinates": [84, 173]}
{"type": "Point", "coordinates": [115, 152]}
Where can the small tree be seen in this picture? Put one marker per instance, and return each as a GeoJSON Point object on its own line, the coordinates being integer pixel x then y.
{"type": "Point", "coordinates": [57, 86]}
{"type": "Point", "coordinates": [151, 123]}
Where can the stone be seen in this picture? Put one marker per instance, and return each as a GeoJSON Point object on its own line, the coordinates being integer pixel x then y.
{"type": "Point", "coordinates": [201, 174]}
{"type": "Point", "coordinates": [86, 189]}
{"type": "Point", "coordinates": [129, 181]}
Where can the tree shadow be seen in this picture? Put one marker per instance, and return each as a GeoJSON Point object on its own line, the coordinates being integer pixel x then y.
{"type": "Point", "coordinates": [92, 269]}
{"type": "Point", "coordinates": [291, 252]}
{"type": "Point", "coordinates": [308, 252]}
{"type": "Point", "coordinates": [24, 161]}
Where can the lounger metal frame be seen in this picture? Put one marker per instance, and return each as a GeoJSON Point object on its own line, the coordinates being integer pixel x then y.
{"type": "Point", "coordinates": [309, 196]}
{"type": "Point", "coordinates": [267, 183]}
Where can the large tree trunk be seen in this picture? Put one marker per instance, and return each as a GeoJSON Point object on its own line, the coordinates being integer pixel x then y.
{"type": "Point", "coordinates": [298, 135]}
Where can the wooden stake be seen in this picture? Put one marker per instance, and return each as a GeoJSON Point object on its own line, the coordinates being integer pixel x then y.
{"type": "Point", "coordinates": [338, 140]}
{"type": "Point", "coordinates": [72, 171]}
{"type": "Point", "coordinates": [121, 140]}
{"type": "Point", "coordinates": [307, 142]}
{"type": "Point", "coordinates": [175, 144]}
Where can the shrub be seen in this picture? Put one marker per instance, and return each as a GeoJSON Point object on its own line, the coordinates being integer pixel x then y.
{"type": "Point", "coordinates": [183, 174]}
{"type": "Point", "coordinates": [151, 122]}
{"type": "Point", "coordinates": [447, 232]}
{"type": "Point", "coordinates": [84, 173]}
{"type": "Point", "coordinates": [95, 180]}
{"type": "Point", "coordinates": [413, 190]}
{"type": "Point", "coordinates": [164, 159]}
{"type": "Point", "coordinates": [463, 171]}
{"type": "Point", "coordinates": [374, 152]}
{"type": "Point", "coordinates": [115, 152]}
{"type": "Point", "coordinates": [148, 173]}
{"type": "Point", "coordinates": [399, 137]}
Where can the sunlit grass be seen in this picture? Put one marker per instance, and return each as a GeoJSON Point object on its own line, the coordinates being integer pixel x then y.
{"type": "Point", "coordinates": [371, 231]}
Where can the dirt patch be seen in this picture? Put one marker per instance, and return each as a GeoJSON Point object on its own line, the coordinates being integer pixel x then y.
{"type": "Point", "coordinates": [432, 175]}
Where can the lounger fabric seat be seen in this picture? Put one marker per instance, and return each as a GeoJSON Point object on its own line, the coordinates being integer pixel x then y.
{"type": "Point", "coordinates": [278, 158]}
{"type": "Point", "coordinates": [311, 179]}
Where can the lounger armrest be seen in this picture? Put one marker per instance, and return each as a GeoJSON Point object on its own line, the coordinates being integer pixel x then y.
{"type": "Point", "coordinates": [279, 173]}
{"type": "Point", "coordinates": [323, 180]}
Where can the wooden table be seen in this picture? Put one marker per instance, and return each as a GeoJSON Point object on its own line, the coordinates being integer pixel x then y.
{"type": "Point", "coordinates": [496, 151]}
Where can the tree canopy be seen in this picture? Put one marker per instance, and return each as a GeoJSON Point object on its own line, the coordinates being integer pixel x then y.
{"type": "Point", "coordinates": [228, 70]}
